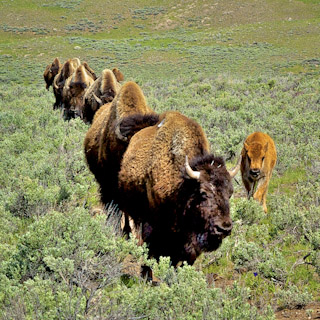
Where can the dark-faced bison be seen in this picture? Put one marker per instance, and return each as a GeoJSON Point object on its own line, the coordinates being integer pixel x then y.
{"type": "Point", "coordinates": [74, 89]}
{"type": "Point", "coordinates": [51, 71]}
{"type": "Point", "coordinates": [65, 72]}
{"type": "Point", "coordinates": [102, 91]}
{"type": "Point", "coordinates": [182, 208]}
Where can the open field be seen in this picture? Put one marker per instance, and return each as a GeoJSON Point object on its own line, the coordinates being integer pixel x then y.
{"type": "Point", "coordinates": [234, 67]}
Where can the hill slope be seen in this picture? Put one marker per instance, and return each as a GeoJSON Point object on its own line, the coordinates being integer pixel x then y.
{"type": "Point", "coordinates": [235, 67]}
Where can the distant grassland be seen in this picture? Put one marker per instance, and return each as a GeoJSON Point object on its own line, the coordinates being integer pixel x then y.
{"type": "Point", "coordinates": [168, 37]}
{"type": "Point", "coordinates": [233, 66]}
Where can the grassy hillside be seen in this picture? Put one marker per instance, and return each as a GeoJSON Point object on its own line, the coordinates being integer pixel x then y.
{"type": "Point", "coordinates": [235, 67]}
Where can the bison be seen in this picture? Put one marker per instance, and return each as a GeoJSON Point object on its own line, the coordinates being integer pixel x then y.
{"type": "Point", "coordinates": [102, 91]}
{"type": "Point", "coordinates": [119, 75]}
{"type": "Point", "coordinates": [65, 72]}
{"type": "Point", "coordinates": [104, 144]}
{"type": "Point", "coordinates": [182, 208]}
{"type": "Point", "coordinates": [257, 160]}
{"type": "Point", "coordinates": [51, 71]}
{"type": "Point", "coordinates": [74, 90]}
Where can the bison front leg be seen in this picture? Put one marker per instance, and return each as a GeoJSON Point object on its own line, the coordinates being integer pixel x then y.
{"type": "Point", "coordinates": [261, 193]}
{"type": "Point", "coordinates": [249, 185]}
{"type": "Point", "coordinates": [129, 226]}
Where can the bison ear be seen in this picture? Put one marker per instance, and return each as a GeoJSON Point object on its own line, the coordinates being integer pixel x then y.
{"type": "Point", "coordinates": [266, 147]}
{"type": "Point", "coordinates": [246, 146]}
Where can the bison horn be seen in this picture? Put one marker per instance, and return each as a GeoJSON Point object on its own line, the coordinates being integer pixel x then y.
{"type": "Point", "coordinates": [192, 174]}
{"type": "Point", "coordinates": [97, 99]}
{"type": "Point", "coordinates": [119, 134]}
{"type": "Point", "coordinates": [55, 85]}
{"type": "Point", "coordinates": [236, 169]}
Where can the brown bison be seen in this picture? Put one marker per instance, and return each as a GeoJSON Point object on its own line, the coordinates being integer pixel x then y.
{"type": "Point", "coordinates": [104, 144]}
{"type": "Point", "coordinates": [119, 75]}
{"type": "Point", "coordinates": [182, 208]}
{"type": "Point", "coordinates": [102, 91]}
{"type": "Point", "coordinates": [258, 158]}
{"type": "Point", "coordinates": [73, 91]}
{"type": "Point", "coordinates": [65, 72]}
{"type": "Point", "coordinates": [51, 71]}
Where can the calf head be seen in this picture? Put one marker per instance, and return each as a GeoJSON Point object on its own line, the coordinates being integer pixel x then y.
{"type": "Point", "coordinates": [255, 155]}
{"type": "Point", "coordinates": [207, 211]}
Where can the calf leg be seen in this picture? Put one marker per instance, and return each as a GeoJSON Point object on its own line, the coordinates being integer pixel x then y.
{"type": "Point", "coordinates": [261, 193]}
{"type": "Point", "coordinates": [249, 186]}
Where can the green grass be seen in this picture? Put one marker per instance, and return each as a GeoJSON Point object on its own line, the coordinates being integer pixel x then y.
{"type": "Point", "coordinates": [233, 67]}
{"type": "Point", "coordinates": [288, 181]}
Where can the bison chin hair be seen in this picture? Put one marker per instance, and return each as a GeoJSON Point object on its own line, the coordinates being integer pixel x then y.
{"type": "Point", "coordinates": [198, 243]}
{"type": "Point", "coordinates": [208, 242]}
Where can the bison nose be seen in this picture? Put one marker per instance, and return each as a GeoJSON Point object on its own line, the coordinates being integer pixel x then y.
{"type": "Point", "coordinates": [77, 114]}
{"type": "Point", "coordinates": [254, 172]}
{"type": "Point", "coordinates": [224, 228]}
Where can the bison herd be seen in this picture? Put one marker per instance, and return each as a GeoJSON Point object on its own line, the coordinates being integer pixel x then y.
{"type": "Point", "coordinates": [78, 91]}
{"type": "Point", "coordinates": [157, 167]}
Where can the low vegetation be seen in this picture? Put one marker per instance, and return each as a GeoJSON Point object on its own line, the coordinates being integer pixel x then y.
{"type": "Point", "coordinates": [57, 261]}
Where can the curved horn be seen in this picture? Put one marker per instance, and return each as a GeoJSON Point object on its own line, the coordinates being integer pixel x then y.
{"type": "Point", "coordinates": [55, 85]}
{"type": "Point", "coordinates": [119, 134]}
{"type": "Point", "coordinates": [236, 169]}
{"type": "Point", "coordinates": [192, 174]}
{"type": "Point", "coordinates": [97, 99]}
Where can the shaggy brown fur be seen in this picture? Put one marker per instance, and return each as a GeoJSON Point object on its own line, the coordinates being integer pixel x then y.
{"type": "Point", "coordinates": [65, 72]}
{"type": "Point", "coordinates": [104, 145]}
{"type": "Point", "coordinates": [118, 74]}
{"type": "Point", "coordinates": [74, 90]}
{"type": "Point", "coordinates": [258, 158]}
{"type": "Point", "coordinates": [179, 216]}
{"type": "Point", "coordinates": [51, 71]}
{"type": "Point", "coordinates": [89, 70]}
{"type": "Point", "coordinates": [102, 91]}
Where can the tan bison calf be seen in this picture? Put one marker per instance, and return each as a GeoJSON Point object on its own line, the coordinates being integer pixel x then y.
{"type": "Point", "coordinates": [258, 158]}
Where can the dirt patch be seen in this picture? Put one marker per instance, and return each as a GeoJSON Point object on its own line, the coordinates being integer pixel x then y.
{"type": "Point", "coordinates": [310, 312]}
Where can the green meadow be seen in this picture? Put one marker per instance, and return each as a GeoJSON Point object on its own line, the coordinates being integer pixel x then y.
{"type": "Point", "coordinates": [235, 68]}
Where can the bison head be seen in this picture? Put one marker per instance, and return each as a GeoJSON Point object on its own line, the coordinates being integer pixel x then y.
{"type": "Point", "coordinates": [80, 82]}
{"type": "Point", "coordinates": [207, 212]}
{"type": "Point", "coordinates": [51, 71]}
{"type": "Point", "coordinates": [255, 154]}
